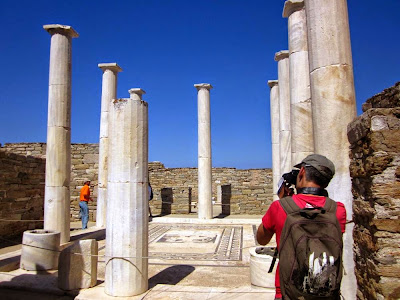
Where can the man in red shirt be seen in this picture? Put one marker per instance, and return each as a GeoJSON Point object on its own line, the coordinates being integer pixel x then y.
{"type": "Point", "coordinates": [316, 171]}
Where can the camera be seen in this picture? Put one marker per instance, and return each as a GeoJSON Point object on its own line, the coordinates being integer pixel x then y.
{"type": "Point", "coordinates": [291, 177]}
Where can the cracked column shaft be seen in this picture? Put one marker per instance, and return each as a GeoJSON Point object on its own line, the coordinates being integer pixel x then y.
{"type": "Point", "coordinates": [333, 107]}
{"type": "Point", "coordinates": [58, 150]}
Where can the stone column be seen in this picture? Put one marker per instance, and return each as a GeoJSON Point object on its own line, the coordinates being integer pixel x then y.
{"type": "Point", "coordinates": [333, 106]}
{"type": "Point", "coordinates": [58, 151]}
{"type": "Point", "coordinates": [299, 77]}
{"type": "Point", "coordinates": [274, 110]}
{"type": "Point", "coordinates": [285, 147]}
{"type": "Point", "coordinates": [108, 93]}
{"type": "Point", "coordinates": [205, 209]}
{"type": "Point", "coordinates": [127, 209]}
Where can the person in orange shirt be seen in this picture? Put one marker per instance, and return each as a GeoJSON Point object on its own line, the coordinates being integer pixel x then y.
{"type": "Point", "coordinates": [83, 203]}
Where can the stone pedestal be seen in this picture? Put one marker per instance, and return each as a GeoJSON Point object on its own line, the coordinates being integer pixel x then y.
{"type": "Point", "coordinates": [333, 106]}
{"type": "Point", "coordinates": [302, 140]}
{"type": "Point", "coordinates": [40, 250]}
{"type": "Point", "coordinates": [205, 209]}
{"type": "Point", "coordinates": [260, 263]}
{"type": "Point", "coordinates": [77, 268]}
{"type": "Point", "coordinates": [108, 93]}
{"type": "Point", "coordinates": [285, 146]}
{"type": "Point", "coordinates": [274, 112]}
{"type": "Point", "coordinates": [127, 211]}
{"type": "Point", "coordinates": [58, 152]}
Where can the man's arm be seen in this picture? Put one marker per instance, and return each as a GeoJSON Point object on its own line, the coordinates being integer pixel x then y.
{"type": "Point", "coordinates": [263, 235]}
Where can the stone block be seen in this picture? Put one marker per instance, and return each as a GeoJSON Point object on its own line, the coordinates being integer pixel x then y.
{"type": "Point", "coordinates": [77, 268]}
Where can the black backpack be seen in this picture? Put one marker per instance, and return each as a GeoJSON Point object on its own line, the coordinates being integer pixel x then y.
{"type": "Point", "coordinates": [310, 252]}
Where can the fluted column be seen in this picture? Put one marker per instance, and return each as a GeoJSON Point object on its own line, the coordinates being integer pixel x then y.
{"type": "Point", "coordinates": [127, 210]}
{"type": "Point", "coordinates": [274, 110]}
{"type": "Point", "coordinates": [299, 77]}
{"type": "Point", "coordinates": [205, 209]}
{"type": "Point", "coordinates": [285, 146]}
{"type": "Point", "coordinates": [58, 151]}
{"type": "Point", "coordinates": [333, 106]}
{"type": "Point", "coordinates": [108, 93]}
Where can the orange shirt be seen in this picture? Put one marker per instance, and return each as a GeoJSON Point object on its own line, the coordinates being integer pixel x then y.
{"type": "Point", "coordinates": [85, 191]}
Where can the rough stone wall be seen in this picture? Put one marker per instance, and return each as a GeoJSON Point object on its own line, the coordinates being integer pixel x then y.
{"type": "Point", "coordinates": [21, 193]}
{"type": "Point", "coordinates": [375, 170]}
{"type": "Point", "coordinates": [175, 189]}
{"type": "Point", "coordinates": [251, 190]}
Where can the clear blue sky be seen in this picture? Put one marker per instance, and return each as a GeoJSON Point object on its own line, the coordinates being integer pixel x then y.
{"type": "Point", "coordinates": [165, 47]}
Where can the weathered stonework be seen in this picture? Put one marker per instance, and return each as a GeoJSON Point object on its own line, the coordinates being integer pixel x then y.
{"type": "Point", "coordinates": [21, 192]}
{"type": "Point", "coordinates": [375, 170]}
{"type": "Point", "coordinates": [250, 190]}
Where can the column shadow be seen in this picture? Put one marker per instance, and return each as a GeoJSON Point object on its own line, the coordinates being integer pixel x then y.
{"type": "Point", "coordinates": [171, 275]}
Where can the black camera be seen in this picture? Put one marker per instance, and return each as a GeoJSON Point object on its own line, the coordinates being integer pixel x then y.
{"type": "Point", "coordinates": [291, 177]}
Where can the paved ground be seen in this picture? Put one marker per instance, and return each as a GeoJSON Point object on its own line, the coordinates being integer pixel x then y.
{"type": "Point", "coordinates": [189, 259]}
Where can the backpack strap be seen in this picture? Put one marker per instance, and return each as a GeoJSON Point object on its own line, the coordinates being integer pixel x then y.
{"type": "Point", "coordinates": [330, 205]}
{"type": "Point", "coordinates": [288, 205]}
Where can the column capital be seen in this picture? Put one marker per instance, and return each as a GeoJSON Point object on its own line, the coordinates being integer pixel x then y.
{"type": "Point", "coordinates": [63, 29]}
{"type": "Point", "coordinates": [136, 93]}
{"type": "Point", "coordinates": [110, 66]}
{"type": "Point", "coordinates": [291, 6]}
{"type": "Point", "coordinates": [281, 55]}
{"type": "Point", "coordinates": [272, 83]}
{"type": "Point", "coordinates": [200, 86]}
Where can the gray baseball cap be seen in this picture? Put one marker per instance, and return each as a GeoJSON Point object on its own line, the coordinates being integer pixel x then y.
{"type": "Point", "coordinates": [318, 161]}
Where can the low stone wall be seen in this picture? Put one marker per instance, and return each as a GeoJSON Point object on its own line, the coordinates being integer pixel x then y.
{"type": "Point", "coordinates": [375, 170]}
{"type": "Point", "coordinates": [175, 189]}
{"type": "Point", "coordinates": [21, 193]}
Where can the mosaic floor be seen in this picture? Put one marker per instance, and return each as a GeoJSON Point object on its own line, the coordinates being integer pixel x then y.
{"type": "Point", "coordinates": [186, 241]}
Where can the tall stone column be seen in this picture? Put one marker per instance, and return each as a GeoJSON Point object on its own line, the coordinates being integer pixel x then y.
{"type": "Point", "coordinates": [285, 152]}
{"type": "Point", "coordinates": [108, 93]}
{"type": "Point", "coordinates": [205, 209]}
{"type": "Point", "coordinates": [127, 209]}
{"type": "Point", "coordinates": [299, 77]}
{"type": "Point", "coordinates": [274, 109]}
{"type": "Point", "coordinates": [333, 106]}
{"type": "Point", "coordinates": [58, 151]}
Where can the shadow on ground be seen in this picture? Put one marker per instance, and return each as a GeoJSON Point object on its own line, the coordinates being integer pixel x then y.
{"type": "Point", "coordinates": [172, 275]}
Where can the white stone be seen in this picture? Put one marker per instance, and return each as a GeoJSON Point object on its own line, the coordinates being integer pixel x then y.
{"type": "Point", "coordinates": [205, 208]}
{"type": "Point", "coordinates": [259, 267]}
{"type": "Point", "coordinates": [77, 268]}
{"type": "Point", "coordinates": [58, 152]}
{"type": "Point", "coordinates": [40, 250]}
{"type": "Point", "coordinates": [274, 114]}
{"type": "Point", "coordinates": [379, 123]}
{"type": "Point", "coordinates": [108, 93]}
{"type": "Point", "coordinates": [333, 106]}
{"type": "Point", "coordinates": [127, 212]}
{"type": "Point", "coordinates": [285, 151]}
{"type": "Point", "coordinates": [302, 141]}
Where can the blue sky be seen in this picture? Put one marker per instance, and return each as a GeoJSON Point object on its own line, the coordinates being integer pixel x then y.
{"type": "Point", "coordinates": [165, 47]}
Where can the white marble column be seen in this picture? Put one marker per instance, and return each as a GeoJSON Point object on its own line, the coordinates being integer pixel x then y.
{"type": "Point", "coordinates": [285, 152]}
{"type": "Point", "coordinates": [205, 209]}
{"type": "Point", "coordinates": [333, 106]}
{"type": "Point", "coordinates": [58, 151]}
{"type": "Point", "coordinates": [299, 77]}
{"type": "Point", "coordinates": [108, 93]}
{"type": "Point", "coordinates": [127, 209]}
{"type": "Point", "coordinates": [274, 110]}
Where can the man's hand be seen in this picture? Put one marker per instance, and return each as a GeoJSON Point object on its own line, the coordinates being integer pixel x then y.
{"type": "Point", "coordinates": [263, 235]}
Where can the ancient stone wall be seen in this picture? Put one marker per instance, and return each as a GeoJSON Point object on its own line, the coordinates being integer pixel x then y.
{"type": "Point", "coordinates": [21, 193]}
{"type": "Point", "coordinates": [375, 170]}
{"type": "Point", "coordinates": [175, 189]}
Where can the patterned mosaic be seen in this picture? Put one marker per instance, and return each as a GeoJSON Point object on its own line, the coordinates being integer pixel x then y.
{"type": "Point", "coordinates": [197, 242]}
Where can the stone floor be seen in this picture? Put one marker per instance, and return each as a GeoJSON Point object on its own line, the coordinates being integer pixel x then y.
{"type": "Point", "coordinates": [189, 259]}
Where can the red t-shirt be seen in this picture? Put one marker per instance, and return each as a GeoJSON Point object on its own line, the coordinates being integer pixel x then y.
{"type": "Point", "coordinates": [275, 218]}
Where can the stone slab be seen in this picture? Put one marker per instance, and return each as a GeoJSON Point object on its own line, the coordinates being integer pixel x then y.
{"type": "Point", "coordinates": [77, 269]}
